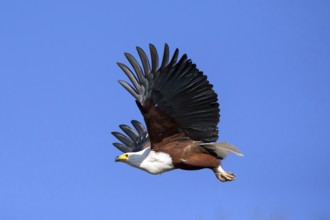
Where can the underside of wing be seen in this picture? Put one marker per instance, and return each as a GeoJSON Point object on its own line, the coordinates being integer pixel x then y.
{"type": "Point", "coordinates": [174, 97]}
{"type": "Point", "coordinates": [132, 140]}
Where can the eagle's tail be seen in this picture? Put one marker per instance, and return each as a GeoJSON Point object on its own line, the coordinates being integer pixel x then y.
{"type": "Point", "coordinates": [222, 149]}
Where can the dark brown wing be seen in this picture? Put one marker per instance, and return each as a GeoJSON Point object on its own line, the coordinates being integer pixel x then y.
{"type": "Point", "coordinates": [173, 98]}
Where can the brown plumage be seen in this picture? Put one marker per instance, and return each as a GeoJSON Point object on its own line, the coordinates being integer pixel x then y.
{"type": "Point", "coordinates": [181, 112]}
{"type": "Point", "coordinates": [186, 153]}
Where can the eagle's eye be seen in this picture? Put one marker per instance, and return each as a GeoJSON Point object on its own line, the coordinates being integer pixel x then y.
{"type": "Point", "coordinates": [126, 155]}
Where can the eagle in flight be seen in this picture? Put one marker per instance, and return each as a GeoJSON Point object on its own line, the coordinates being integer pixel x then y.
{"type": "Point", "coordinates": [181, 113]}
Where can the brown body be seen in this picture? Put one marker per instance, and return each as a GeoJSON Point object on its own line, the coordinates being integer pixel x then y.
{"type": "Point", "coordinates": [186, 154]}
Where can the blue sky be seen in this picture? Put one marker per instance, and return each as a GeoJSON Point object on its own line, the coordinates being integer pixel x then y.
{"type": "Point", "coordinates": [59, 96]}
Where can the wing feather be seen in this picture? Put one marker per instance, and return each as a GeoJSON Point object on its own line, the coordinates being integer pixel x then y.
{"type": "Point", "coordinates": [154, 58]}
{"type": "Point", "coordinates": [136, 66]}
{"type": "Point", "coordinates": [130, 89]}
{"type": "Point", "coordinates": [131, 76]}
{"type": "Point", "coordinates": [144, 59]}
{"type": "Point", "coordinates": [173, 98]}
{"type": "Point", "coordinates": [132, 140]}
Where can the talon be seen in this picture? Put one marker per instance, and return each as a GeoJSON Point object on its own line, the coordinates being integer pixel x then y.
{"type": "Point", "coordinates": [226, 176]}
{"type": "Point", "coordinates": [222, 175]}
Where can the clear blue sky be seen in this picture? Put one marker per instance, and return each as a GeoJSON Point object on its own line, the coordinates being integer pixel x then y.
{"type": "Point", "coordinates": [269, 62]}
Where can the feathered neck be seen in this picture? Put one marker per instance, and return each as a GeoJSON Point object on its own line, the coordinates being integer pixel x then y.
{"type": "Point", "coordinates": [151, 161]}
{"type": "Point", "coordinates": [136, 158]}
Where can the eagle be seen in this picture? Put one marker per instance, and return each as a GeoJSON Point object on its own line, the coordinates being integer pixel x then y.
{"type": "Point", "coordinates": [181, 114]}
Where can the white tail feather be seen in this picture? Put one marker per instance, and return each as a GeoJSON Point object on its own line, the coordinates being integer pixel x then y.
{"type": "Point", "coordinates": [222, 149]}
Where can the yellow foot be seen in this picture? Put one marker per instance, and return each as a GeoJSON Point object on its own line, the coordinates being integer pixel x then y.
{"type": "Point", "coordinates": [225, 176]}
{"type": "Point", "coordinates": [222, 175]}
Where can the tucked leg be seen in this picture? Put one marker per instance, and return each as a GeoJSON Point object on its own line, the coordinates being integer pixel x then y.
{"type": "Point", "coordinates": [222, 175]}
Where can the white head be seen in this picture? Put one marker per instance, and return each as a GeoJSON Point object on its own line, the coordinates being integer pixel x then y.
{"type": "Point", "coordinates": [147, 160]}
{"type": "Point", "coordinates": [134, 159]}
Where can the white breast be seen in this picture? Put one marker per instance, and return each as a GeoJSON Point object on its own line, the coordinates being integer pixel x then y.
{"type": "Point", "coordinates": [157, 162]}
{"type": "Point", "coordinates": [151, 161]}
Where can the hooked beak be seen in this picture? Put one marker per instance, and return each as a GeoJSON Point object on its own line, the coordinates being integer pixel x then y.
{"type": "Point", "coordinates": [121, 158]}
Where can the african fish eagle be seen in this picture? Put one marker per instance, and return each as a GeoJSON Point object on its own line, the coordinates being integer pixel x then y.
{"type": "Point", "coordinates": [181, 113]}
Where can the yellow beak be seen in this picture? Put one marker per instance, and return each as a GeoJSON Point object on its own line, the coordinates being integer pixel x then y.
{"type": "Point", "coordinates": [121, 158]}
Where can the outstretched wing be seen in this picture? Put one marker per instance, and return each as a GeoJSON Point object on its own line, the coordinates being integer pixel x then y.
{"type": "Point", "coordinates": [174, 97]}
{"type": "Point", "coordinates": [132, 140]}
